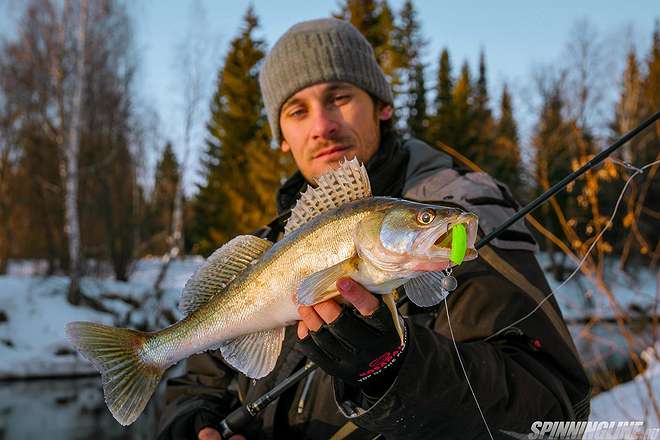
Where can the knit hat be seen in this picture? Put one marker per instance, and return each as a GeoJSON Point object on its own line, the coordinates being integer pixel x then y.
{"type": "Point", "coordinates": [317, 51]}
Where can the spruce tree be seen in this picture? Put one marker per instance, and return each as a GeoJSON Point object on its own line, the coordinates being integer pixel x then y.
{"type": "Point", "coordinates": [418, 122]}
{"type": "Point", "coordinates": [409, 43]}
{"type": "Point", "coordinates": [481, 90]}
{"type": "Point", "coordinates": [648, 152]}
{"type": "Point", "coordinates": [241, 170]}
{"type": "Point", "coordinates": [442, 121]}
{"type": "Point", "coordinates": [506, 164]}
{"type": "Point", "coordinates": [162, 204]}
{"type": "Point", "coordinates": [554, 143]}
{"type": "Point", "coordinates": [483, 119]}
{"type": "Point", "coordinates": [462, 136]}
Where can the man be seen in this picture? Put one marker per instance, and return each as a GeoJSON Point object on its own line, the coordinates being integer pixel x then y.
{"type": "Point", "coordinates": [327, 99]}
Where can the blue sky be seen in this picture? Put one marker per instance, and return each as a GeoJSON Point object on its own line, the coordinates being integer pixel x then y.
{"type": "Point", "coordinates": [515, 35]}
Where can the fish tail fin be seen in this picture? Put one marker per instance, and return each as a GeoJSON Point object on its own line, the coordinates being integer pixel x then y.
{"type": "Point", "coordinates": [128, 379]}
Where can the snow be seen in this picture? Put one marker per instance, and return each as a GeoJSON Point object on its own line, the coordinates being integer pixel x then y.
{"type": "Point", "coordinates": [34, 312]}
{"type": "Point", "coordinates": [631, 401]}
{"type": "Point", "coordinates": [580, 298]}
{"type": "Point", "coordinates": [32, 339]}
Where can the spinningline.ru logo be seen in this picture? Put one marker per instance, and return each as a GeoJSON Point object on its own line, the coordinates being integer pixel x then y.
{"type": "Point", "coordinates": [593, 430]}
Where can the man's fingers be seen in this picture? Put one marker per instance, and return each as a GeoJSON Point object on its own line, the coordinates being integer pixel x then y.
{"type": "Point", "coordinates": [361, 298]}
{"type": "Point", "coordinates": [209, 434]}
{"type": "Point", "coordinates": [309, 316]}
{"type": "Point", "coordinates": [303, 331]}
{"type": "Point", "coordinates": [328, 310]}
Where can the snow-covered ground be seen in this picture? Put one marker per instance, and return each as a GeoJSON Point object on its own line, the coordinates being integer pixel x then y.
{"type": "Point", "coordinates": [636, 400]}
{"type": "Point", "coordinates": [34, 311]}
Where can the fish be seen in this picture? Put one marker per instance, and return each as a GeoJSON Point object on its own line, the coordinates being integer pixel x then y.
{"type": "Point", "coordinates": [245, 294]}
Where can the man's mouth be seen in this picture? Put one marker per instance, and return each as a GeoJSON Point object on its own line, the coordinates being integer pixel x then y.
{"type": "Point", "coordinates": [335, 150]}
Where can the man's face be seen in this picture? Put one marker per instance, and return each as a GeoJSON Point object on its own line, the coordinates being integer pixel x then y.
{"type": "Point", "coordinates": [326, 122]}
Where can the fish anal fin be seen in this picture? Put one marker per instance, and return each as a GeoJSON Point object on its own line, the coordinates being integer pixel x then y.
{"type": "Point", "coordinates": [255, 354]}
{"type": "Point", "coordinates": [320, 286]}
{"type": "Point", "coordinates": [220, 269]}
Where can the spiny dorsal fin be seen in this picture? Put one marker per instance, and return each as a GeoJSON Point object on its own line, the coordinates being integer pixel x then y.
{"type": "Point", "coordinates": [336, 187]}
{"type": "Point", "coordinates": [220, 269]}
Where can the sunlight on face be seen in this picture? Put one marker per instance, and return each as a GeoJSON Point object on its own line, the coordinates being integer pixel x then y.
{"type": "Point", "coordinates": [326, 122]}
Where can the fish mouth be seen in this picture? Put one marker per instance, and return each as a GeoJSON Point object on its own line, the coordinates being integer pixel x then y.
{"type": "Point", "coordinates": [439, 241]}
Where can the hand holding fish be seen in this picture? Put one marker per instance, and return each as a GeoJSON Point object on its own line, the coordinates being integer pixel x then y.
{"type": "Point", "coordinates": [359, 345]}
{"type": "Point", "coordinates": [240, 301]}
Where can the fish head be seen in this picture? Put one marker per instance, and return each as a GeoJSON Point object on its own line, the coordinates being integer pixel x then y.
{"type": "Point", "coordinates": [409, 237]}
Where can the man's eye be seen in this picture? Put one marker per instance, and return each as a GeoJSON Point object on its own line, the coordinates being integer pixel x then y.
{"type": "Point", "coordinates": [340, 99]}
{"type": "Point", "coordinates": [297, 113]}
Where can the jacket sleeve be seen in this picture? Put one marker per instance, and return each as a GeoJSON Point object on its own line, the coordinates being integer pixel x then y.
{"type": "Point", "coordinates": [200, 397]}
{"type": "Point", "coordinates": [526, 375]}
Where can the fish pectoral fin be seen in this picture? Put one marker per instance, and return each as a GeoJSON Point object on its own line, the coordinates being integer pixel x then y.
{"type": "Point", "coordinates": [320, 286]}
{"type": "Point", "coordinates": [427, 289]}
{"type": "Point", "coordinates": [391, 304]}
{"type": "Point", "coordinates": [254, 354]}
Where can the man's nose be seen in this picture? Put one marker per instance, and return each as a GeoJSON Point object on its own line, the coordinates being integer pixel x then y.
{"type": "Point", "coordinates": [325, 125]}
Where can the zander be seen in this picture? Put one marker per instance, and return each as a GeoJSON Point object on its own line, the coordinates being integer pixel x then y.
{"type": "Point", "coordinates": [248, 291]}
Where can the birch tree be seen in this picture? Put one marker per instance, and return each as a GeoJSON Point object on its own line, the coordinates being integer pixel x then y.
{"type": "Point", "coordinates": [69, 166]}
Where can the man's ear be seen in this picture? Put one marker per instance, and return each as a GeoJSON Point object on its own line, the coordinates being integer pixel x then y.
{"type": "Point", "coordinates": [285, 146]}
{"type": "Point", "coordinates": [385, 112]}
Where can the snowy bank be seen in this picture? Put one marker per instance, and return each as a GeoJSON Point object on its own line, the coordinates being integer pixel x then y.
{"type": "Point", "coordinates": [34, 312]}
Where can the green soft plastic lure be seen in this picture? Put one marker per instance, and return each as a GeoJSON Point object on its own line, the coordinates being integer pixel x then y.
{"type": "Point", "coordinates": [458, 244]}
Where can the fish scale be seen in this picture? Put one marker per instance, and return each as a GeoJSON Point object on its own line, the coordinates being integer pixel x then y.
{"type": "Point", "coordinates": [241, 299]}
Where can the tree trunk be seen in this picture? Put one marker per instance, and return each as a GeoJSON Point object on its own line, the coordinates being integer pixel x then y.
{"type": "Point", "coordinates": [70, 167]}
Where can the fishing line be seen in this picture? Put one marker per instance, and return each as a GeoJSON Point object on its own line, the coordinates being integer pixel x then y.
{"type": "Point", "coordinates": [474, 395]}
{"type": "Point", "coordinates": [584, 258]}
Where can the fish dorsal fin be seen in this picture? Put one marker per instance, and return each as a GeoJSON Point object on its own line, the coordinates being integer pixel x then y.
{"type": "Point", "coordinates": [220, 269]}
{"type": "Point", "coordinates": [254, 354]}
{"type": "Point", "coordinates": [336, 187]}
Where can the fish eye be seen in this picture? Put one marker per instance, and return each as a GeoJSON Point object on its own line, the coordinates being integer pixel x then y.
{"type": "Point", "coordinates": [425, 216]}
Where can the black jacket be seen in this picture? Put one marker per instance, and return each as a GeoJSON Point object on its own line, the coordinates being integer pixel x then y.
{"type": "Point", "coordinates": [530, 372]}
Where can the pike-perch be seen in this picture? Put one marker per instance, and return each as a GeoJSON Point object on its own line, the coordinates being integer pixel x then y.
{"type": "Point", "coordinates": [248, 291]}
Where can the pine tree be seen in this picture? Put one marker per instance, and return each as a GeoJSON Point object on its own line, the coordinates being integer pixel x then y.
{"type": "Point", "coordinates": [481, 90]}
{"type": "Point", "coordinates": [506, 164]}
{"type": "Point", "coordinates": [483, 119]}
{"type": "Point", "coordinates": [648, 152]}
{"type": "Point", "coordinates": [462, 136]}
{"type": "Point", "coordinates": [241, 170]}
{"type": "Point", "coordinates": [442, 121]}
{"type": "Point", "coordinates": [409, 43]}
{"type": "Point", "coordinates": [418, 122]}
{"type": "Point", "coordinates": [554, 142]}
{"type": "Point", "coordinates": [651, 90]}
{"type": "Point", "coordinates": [162, 205]}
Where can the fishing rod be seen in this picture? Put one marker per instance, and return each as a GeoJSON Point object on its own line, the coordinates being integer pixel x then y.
{"type": "Point", "coordinates": [240, 417]}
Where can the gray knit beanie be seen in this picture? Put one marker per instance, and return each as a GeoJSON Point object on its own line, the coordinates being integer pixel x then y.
{"type": "Point", "coordinates": [316, 51]}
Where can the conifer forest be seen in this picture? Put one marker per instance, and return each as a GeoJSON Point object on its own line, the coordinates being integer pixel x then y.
{"type": "Point", "coordinates": [93, 186]}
